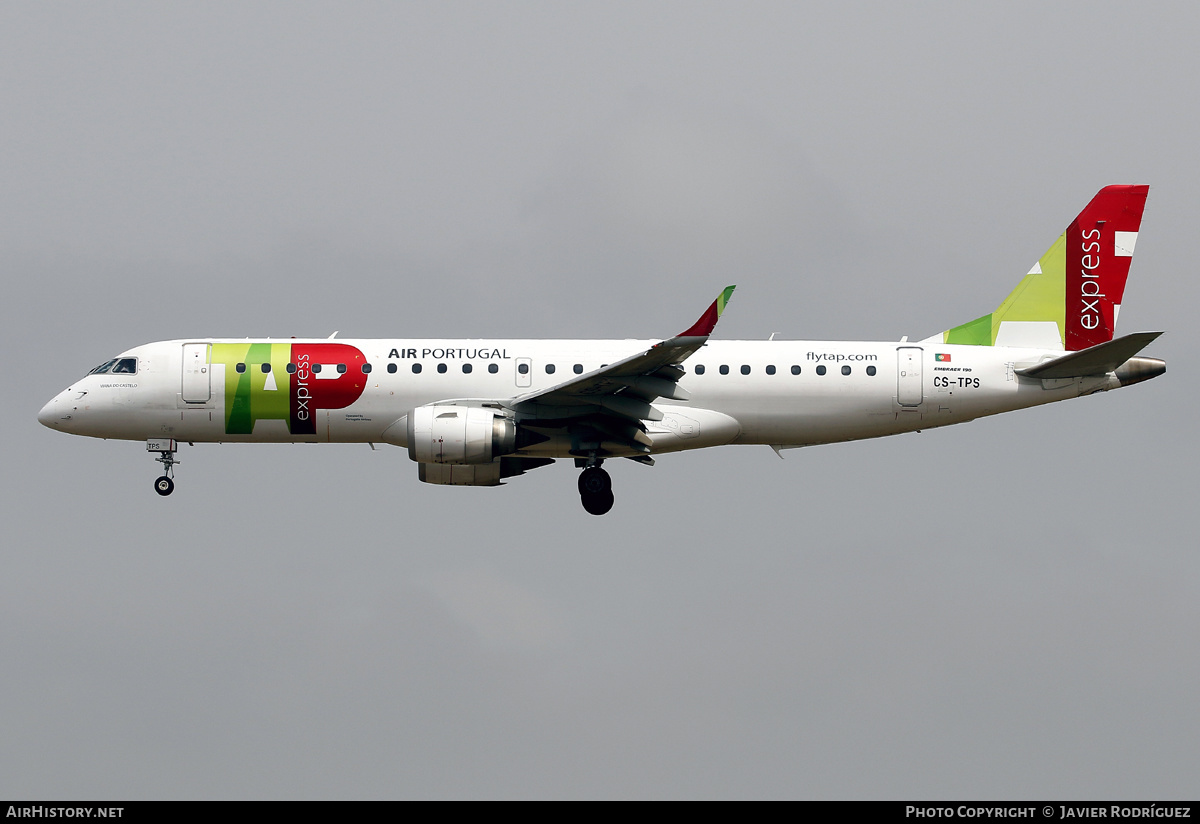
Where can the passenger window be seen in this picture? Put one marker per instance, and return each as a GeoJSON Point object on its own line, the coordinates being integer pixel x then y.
{"type": "Point", "coordinates": [290, 368]}
{"type": "Point", "coordinates": [125, 366]}
{"type": "Point", "coordinates": [467, 368]}
{"type": "Point", "coordinates": [366, 368]}
{"type": "Point", "coordinates": [699, 369]}
{"type": "Point", "coordinates": [549, 369]}
{"type": "Point", "coordinates": [416, 368]}
{"type": "Point", "coordinates": [795, 369]}
{"type": "Point", "coordinates": [240, 368]}
{"type": "Point", "coordinates": [316, 368]}
{"type": "Point", "coordinates": [578, 368]}
{"type": "Point", "coordinates": [845, 370]}
{"type": "Point", "coordinates": [821, 369]}
{"type": "Point", "coordinates": [724, 370]}
{"type": "Point", "coordinates": [441, 368]}
{"type": "Point", "coordinates": [391, 368]}
{"type": "Point", "coordinates": [745, 369]}
{"type": "Point", "coordinates": [770, 369]}
{"type": "Point", "coordinates": [266, 368]}
{"type": "Point", "coordinates": [871, 370]}
{"type": "Point", "coordinates": [341, 368]}
{"type": "Point", "coordinates": [523, 368]}
{"type": "Point", "coordinates": [493, 368]}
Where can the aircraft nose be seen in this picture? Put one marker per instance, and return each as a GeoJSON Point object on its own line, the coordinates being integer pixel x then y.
{"type": "Point", "coordinates": [48, 416]}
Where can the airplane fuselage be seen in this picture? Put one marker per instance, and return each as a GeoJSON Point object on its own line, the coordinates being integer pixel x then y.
{"type": "Point", "coordinates": [787, 393]}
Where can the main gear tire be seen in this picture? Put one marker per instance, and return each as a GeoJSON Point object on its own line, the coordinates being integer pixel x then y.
{"type": "Point", "coordinates": [597, 503]}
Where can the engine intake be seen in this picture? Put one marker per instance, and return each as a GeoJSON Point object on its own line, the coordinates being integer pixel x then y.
{"type": "Point", "coordinates": [459, 435]}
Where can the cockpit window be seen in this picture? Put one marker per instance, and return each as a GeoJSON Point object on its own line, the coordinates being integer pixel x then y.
{"type": "Point", "coordinates": [125, 366]}
{"type": "Point", "coordinates": [103, 368]}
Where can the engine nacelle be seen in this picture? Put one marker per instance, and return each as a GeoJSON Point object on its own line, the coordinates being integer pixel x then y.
{"type": "Point", "coordinates": [459, 435]}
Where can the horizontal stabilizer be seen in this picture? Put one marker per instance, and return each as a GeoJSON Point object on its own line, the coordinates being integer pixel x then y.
{"type": "Point", "coordinates": [1095, 360]}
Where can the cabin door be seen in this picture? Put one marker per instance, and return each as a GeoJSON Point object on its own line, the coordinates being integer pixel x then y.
{"type": "Point", "coordinates": [909, 390]}
{"type": "Point", "coordinates": [196, 373]}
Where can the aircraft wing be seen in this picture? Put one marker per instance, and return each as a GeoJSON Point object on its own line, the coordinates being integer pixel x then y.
{"type": "Point", "coordinates": [614, 399]}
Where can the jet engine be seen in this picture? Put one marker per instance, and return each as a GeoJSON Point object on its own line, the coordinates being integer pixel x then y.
{"type": "Point", "coordinates": [459, 435]}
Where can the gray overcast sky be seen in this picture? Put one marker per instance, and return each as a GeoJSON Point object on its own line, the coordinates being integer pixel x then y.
{"type": "Point", "coordinates": [1005, 609]}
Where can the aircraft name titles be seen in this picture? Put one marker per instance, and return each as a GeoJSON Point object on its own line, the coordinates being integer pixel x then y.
{"type": "Point", "coordinates": [452, 354]}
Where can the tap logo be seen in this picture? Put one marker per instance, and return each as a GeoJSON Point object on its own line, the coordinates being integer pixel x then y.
{"type": "Point", "coordinates": [287, 381]}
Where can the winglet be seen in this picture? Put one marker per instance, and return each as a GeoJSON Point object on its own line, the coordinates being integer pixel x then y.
{"type": "Point", "coordinates": [703, 327]}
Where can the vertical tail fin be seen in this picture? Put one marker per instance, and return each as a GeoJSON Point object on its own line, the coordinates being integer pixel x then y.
{"type": "Point", "coordinates": [1071, 297]}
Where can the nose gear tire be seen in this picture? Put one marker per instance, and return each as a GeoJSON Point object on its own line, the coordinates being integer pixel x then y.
{"type": "Point", "coordinates": [594, 480]}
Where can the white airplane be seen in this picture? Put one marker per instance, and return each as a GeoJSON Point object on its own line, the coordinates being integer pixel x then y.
{"type": "Point", "coordinates": [473, 412]}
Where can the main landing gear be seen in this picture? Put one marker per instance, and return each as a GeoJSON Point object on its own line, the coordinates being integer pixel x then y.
{"type": "Point", "coordinates": [595, 490]}
{"type": "Point", "coordinates": [165, 447]}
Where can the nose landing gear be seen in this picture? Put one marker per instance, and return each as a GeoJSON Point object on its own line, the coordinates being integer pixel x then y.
{"type": "Point", "coordinates": [595, 490]}
{"type": "Point", "coordinates": [165, 447]}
